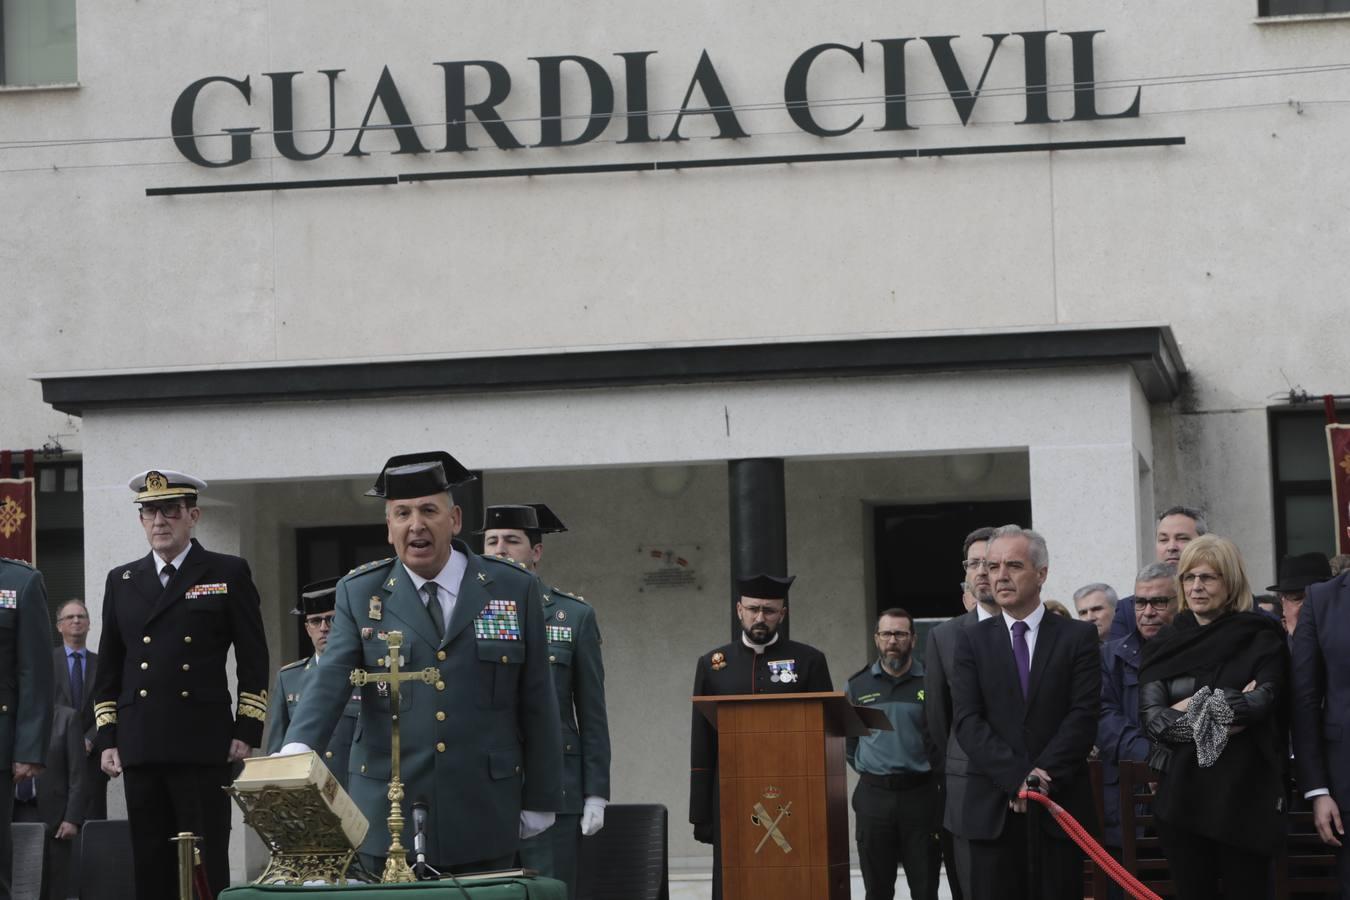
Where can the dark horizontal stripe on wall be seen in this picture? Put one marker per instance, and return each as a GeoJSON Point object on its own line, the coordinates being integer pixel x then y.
{"type": "Point", "coordinates": [1149, 350]}
{"type": "Point", "coordinates": [270, 186]}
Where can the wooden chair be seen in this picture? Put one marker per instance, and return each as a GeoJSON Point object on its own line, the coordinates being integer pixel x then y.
{"type": "Point", "coordinates": [1141, 851]}
{"type": "Point", "coordinates": [628, 859]}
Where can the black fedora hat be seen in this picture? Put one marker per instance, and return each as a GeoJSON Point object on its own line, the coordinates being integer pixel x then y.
{"type": "Point", "coordinates": [1297, 572]}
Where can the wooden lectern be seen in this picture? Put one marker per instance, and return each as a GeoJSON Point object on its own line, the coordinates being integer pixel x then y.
{"type": "Point", "coordinates": [783, 792]}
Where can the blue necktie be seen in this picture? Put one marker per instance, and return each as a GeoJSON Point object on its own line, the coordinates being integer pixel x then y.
{"type": "Point", "coordinates": [77, 680]}
{"type": "Point", "coordinates": [1022, 653]}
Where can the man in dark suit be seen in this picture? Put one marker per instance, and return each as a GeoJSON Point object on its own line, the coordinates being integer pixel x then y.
{"type": "Point", "coordinates": [56, 799]}
{"type": "Point", "coordinates": [74, 666]}
{"type": "Point", "coordinates": [1026, 690]}
{"type": "Point", "coordinates": [1321, 717]}
{"type": "Point", "coordinates": [482, 744]}
{"type": "Point", "coordinates": [161, 698]}
{"type": "Point", "coordinates": [940, 657]}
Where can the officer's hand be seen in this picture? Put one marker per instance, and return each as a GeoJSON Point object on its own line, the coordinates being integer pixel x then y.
{"type": "Point", "coordinates": [111, 762]}
{"type": "Point", "coordinates": [592, 815]}
{"type": "Point", "coordinates": [26, 770]}
{"type": "Point", "coordinates": [1327, 817]}
{"type": "Point", "coordinates": [238, 750]}
{"type": "Point", "coordinates": [703, 832]}
{"type": "Point", "coordinates": [533, 822]}
{"type": "Point", "coordinates": [65, 831]}
{"type": "Point", "coordinates": [293, 747]}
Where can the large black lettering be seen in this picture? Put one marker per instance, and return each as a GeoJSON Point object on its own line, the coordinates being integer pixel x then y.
{"type": "Point", "coordinates": [963, 98]}
{"type": "Point", "coordinates": [387, 95]}
{"type": "Point", "coordinates": [550, 100]}
{"type": "Point", "coordinates": [283, 114]}
{"type": "Point", "coordinates": [794, 90]}
{"type": "Point", "coordinates": [893, 72]}
{"type": "Point", "coordinates": [1085, 82]}
{"type": "Point", "coordinates": [635, 84]}
{"type": "Point", "coordinates": [1037, 78]}
{"type": "Point", "coordinates": [184, 133]}
{"type": "Point", "coordinates": [457, 107]}
{"type": "Point", "coordinates": [719, 107]}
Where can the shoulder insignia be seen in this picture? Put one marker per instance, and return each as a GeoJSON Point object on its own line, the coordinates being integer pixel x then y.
{"type": "Point", "coordinates": [718, 660]}
{"type": "Point", "coordinates": [568, 594]}
{"type": "Point", "coordinates": [298, 663]}
{"type": "Point", "coordinates": [504, 561]}
{"type": "Point", "coordinates": [17, 562]}
{"type": "Point", "coordinates": [374, 564]}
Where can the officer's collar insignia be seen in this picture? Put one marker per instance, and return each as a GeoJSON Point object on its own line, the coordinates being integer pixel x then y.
{"type": "Point", "coordinates": [126, 574]}
{"type": "Point", "coordinates": [392, 582]}
{"type": "Point", "coordinates": [719, 660]}
{"type": "Point", "coordinates": [482, 577]}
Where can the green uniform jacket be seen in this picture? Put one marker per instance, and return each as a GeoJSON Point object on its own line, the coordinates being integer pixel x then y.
{"type": "Point", "coordinates": [482, 743]}
{"type": "Point", "coordinates": [579, 678]}
{"type": "Point", "coordinates": [26, 683]}
{"type": "Point", "coordinates": [292, 680]}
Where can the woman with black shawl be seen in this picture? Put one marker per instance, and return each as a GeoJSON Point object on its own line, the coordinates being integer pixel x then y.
{"type": "Point", "coordinates": [1213, 699]}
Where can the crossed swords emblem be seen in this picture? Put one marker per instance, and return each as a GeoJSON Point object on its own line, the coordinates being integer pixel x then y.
{"type": "Point", "coordinates": [761, 818]}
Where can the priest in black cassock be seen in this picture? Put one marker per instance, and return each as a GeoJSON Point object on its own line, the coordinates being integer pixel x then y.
{"type": "Point", "coordinates": [761, 662]}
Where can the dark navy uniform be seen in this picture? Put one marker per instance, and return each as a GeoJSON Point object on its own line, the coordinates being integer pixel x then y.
{"type": "Point", "coordinates": [897, 804]}
{"type": "Point", "coordinates": [579, 679]}
{"type": "Point", "coordinates": [785, 667]}
{"type": "Point", "coordinates": [292, 681]}
{"type": "Point", "coordinates": [162, 699]}
{"type": "Point", "coordinates": [26, 684]}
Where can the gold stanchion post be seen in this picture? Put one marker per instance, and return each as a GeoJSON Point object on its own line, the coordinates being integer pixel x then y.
{"type": "Point", "coordinates": [187, 846]}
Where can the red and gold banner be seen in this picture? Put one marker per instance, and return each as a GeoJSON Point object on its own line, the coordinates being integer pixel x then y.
{"type": "Point", "coordinates": [1338, 441]}
{"type": "Point", "coordinates": [18, 522]}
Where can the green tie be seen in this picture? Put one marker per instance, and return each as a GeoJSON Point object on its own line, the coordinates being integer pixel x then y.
{"type": "Point", "coordinates": [434, 610]}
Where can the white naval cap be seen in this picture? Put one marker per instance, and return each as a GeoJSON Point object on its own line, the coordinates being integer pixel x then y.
{"type": "Point", "coordinates": [164, 484]}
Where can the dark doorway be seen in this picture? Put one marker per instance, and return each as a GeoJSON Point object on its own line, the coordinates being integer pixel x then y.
{"type": "Point", "coordinates": [918, 552]}
{"type": "Point", "coordinates": [335, 550]}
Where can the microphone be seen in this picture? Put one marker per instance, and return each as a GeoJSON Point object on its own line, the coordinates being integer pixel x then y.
{"type": "Point", "coordinates": [419, 817]}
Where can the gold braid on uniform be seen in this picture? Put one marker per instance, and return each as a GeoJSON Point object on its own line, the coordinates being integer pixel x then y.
{"type": "Point", "coordinates": [253, 705]}
{"type": "Point", "coordinates": [105, 713]}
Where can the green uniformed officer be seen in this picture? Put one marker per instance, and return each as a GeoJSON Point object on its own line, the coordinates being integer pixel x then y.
{"type": "Point", "coordinates": [516, 532]}
{"type": "Point", "coordinates": [26, 686]}
{"type": "Point", "coordinates": [316, 610]}
{"type": "Point", "coordinates": [480, 745]}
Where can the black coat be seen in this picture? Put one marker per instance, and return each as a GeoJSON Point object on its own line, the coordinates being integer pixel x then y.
{"type": "Point", "coordinates": [1322, 690]}
{"type": "Point", "coordinates": [736, 669]}
{"type": "Point", "coordinates": [1007, 735]}
{"type": "Point", "coordinates": [161, 695]}
{"type": "Point", "coordinates": [61, 675]}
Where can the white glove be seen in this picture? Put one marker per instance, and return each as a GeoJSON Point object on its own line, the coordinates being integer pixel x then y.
{"type": "Point", "coordinates": [293, 747]}
{"type": "Point", "coordinates": [593, 815]}
{"type": "Point", "coordinates": [532, 822]}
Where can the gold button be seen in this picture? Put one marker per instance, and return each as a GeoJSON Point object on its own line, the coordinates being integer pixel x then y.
{"type": "Point", "coordinates": [144, 666]}
{"type": "Point", "coordinates": [187, 667]}
{"type": "Point", "coordinates": [440, 746]}
{"type": "Point", "coordinates": [440, 685]}
{"type": "Point", "coordinates": [4, 708]}
{"type": "Point", "coordinates": [187, 639]}
{"type": "Point", "coordinates": [328, 754]}
{"type": "Point", "coordinates": [144, 693]}
{"type": "Point", "coordinates": [440, 715]}
{"type": "Point", "coordinates": [185, 694]}
{"type": "Point", "coordinates": [146, 639]}
{"type": "Point", "coordinates": [504, 659]}
{"type": "Point", "coordinates": [552, 658]}
{"type": "Point", "coordinates": [380, 661]}
{"type": "Point", "coordinates": [363, 770]}
{"type": "Point", "coordinates": [569, 746]}
{"type": "Point", "coordinates": [440, 654]}
{"type": "Point", "coordinates": [517, 770]}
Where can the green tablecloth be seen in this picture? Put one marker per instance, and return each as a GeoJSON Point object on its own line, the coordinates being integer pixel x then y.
{"type": "Point", "coordinates": [491, 889]}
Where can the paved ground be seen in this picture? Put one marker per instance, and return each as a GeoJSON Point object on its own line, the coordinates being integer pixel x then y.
{"type": "Point", "coordinates": [693, 886]}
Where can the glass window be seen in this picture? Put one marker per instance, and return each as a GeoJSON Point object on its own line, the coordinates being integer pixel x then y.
{"type": "Point", "coordinates": [37, 42]}
{"type": "Point", "coordinates": [1301, 467]}
{"type": "Point", "coordinates": [1301, 7]}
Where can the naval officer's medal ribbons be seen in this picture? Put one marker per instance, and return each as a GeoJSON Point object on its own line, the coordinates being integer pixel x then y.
{"type": "Point", "coordinates": [498, 621]}
{"type": "Point", "coordinates": [782, 671]}
{"type": "Point", "coordinates": [9, 599]}
{"type": "Point", "coordinates": [218, 588]}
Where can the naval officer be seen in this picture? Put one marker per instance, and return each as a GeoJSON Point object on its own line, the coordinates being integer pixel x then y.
{"type": "Point", "coordinates": [761, 662]}
{"type": "Point", "coordinates": [316, 610]}
{"type": "Point", "coordinates": [161, 698]}
{"type": "Point", "coordinates": [481, 744]}
{"type": "Point", "coordinates": [26, 686]}
{"type": "Point", "coordinates": [517, 532]}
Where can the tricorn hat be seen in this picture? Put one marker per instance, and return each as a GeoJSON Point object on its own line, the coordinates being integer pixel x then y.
{"type": "Point", "coordinates": [528, 517]}
{"type": "Point", "coordinates": [154, 485]}
{"type": "Point", "coordinates": [765, 587]}
{"type": "Point", "coordinates": [317, 597]}
{"type": "Point", "coordinates": [419, 475]}
{"type": "Point", "coordinates": [1297, 572]}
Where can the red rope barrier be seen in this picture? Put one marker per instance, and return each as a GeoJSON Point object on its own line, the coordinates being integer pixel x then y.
{"type": "Point", "coordinates": [200, 882]}
{"type": "Point", "coordinates": [1095, 851]}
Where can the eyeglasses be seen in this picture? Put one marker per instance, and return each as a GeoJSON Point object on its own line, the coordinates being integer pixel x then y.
{"type": "Point", "coordinates": [894, 635]}
{"type": "Point", "coordinates": [149, 511]}
{"type": "Point", "coordinates": [971, 565]}
{"type": "Point", "coordinates": [320, 621]}
{"type": "Point", "coordinates": [73, 617]}
{"type": "Point", "coordinates": [1159, 604]}
{"type": "Point", "coordinates": [769, 612]}
{"type": "Point", "coordinates": [1205, 578]}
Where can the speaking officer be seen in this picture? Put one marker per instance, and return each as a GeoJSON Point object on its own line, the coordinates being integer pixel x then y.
{"type": "Point", "coordinates": [761, 662]}
{"type": "Point", "coordinates": [481, 745]}
{"type": "Point", "coordinates": [896, 804]}
{"type": "Point", "coordinates": [161, 699]}
{"type": "Point", "coordinates": [316, 611]}
{"type": "Point", "coordinates": [26, 687]}
{"type": "Point", "coordinates": [517, 533]}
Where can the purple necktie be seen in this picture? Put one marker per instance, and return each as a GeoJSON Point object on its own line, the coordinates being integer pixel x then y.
{"type": "Point", "coordinates": [1022, 654]}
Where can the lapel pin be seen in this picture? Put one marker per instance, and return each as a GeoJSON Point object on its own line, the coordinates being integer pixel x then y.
{"type": "Point", "coordinates": [482, 578]}
{"type": "Point", "coordinates": [562, 615]}
{"type": "Point", "coordinates": [392, 581]}
{"type": "Point", "coordinates": [126, 574]}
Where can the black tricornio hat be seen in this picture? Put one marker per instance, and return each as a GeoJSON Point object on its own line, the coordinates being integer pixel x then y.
{"type": "Point", "coordinates": [408, 467]}
{"type": "Point", "coordinates": [765, 587]}
{"type": "Point", "coordinates": [1297, 572]}
{"type": "Point", "coordinates": [529, 517]}
{"type": "Point", "coordinates": [317, 597]}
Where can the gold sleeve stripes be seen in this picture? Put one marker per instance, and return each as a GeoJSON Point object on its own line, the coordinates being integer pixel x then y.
{"type": "Point", "coordinates": [253, 705]}
{"type": "Point", "coordinates": [105, 713]}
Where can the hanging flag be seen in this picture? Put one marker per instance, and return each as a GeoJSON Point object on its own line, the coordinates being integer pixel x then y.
{"type": "Point", "coordinates": [18, 523]}
{"type": "Point", "coordinates": [1338, 442]}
